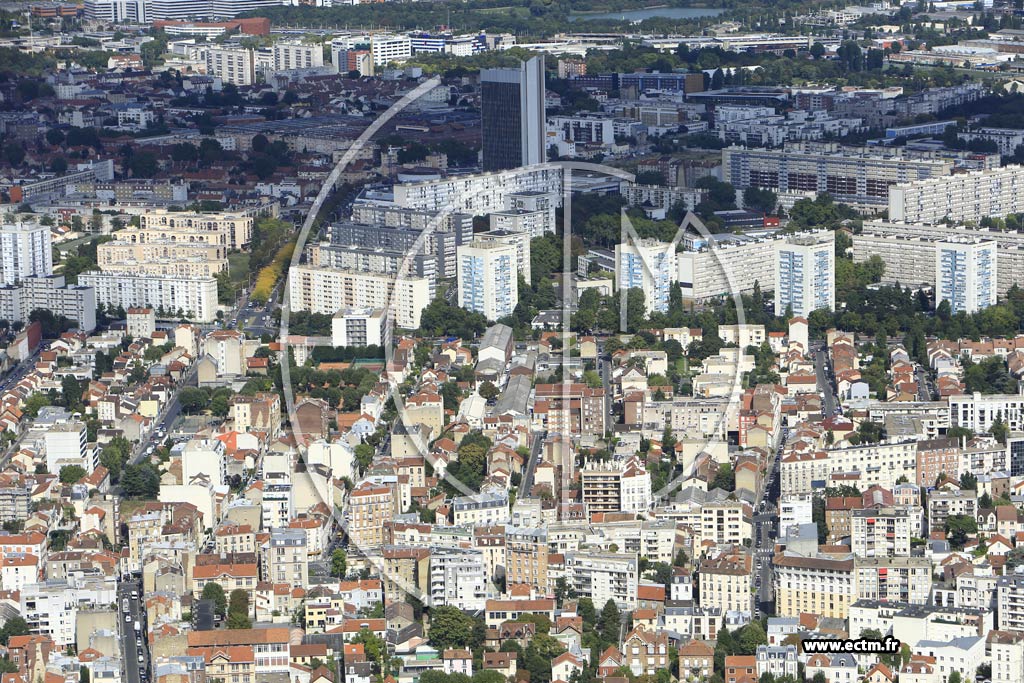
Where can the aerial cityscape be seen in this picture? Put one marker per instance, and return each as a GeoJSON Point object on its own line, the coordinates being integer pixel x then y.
{"type": "Point", "coordinates": [511, 341]}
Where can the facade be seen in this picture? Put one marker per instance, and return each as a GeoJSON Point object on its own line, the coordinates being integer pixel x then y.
{"type": "Point", "coordinates": [819, 585]}
{"type": "Point", "coordinates": [230, 230]}
{"type": "Point", "coordinates": [852, 176]}
{"type": "Point", "coordinates": [805, 278]}
{"type": "Point", "coordinates": [488, 278]}
{"type": "Point", "coordinates": [288, 559]}
{"type": "Point", "coordinates": [618, 486]}
{"type": "Point", "coordinates": [235, 65]}
{"type": "Point", "coordinates": [458, 577]}
{"type": "Point", "coordinates": [650, 266]}
{"type": "Point", "coordinates": [512, 116]}
{"type": "Point", "coordinates": [193, 298]}
{"type": "Point", "coordinates": [329, 290]}
{"type": "Point", "coordinates": [76, 303]}
{"type": "Point", "coordinates": [960, 197]}
{"type": "Point", "coordinates": [965, 275]}
{"type": "Point", "coordinates": [25, 251]}
{"type": "Point", "coordinates": [725, 582]}
{"type": "Point", "coordinates": [361, 327]}
{"type": "Point", "coordinates": [370, 506]}
{"type": "Point", "coordinates": [520, 239]}
{"type": "Point", "coordinates": [883, 532]}
{"type": "Point", "coordinates": [289, 55]}
{"type": "Point", "coordinates": [603, 577]}
{"type": "Point", "coordinates": [894, 579]}
{"type": "Point", "coordinates": [481, 193]}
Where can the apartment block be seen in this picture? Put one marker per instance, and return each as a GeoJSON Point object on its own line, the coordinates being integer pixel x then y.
{"type": "Point", "coordinates": [816, 584]}
{"type": "Point", "coordinates": [965, 274]}
{"type": "Point", "coordinates": [603, 577]}
{"type": "Point", "coordinates": [192, 298]}
{"type": "Point", "coordinates": [650, 266]}
{"type": "Point", "coordinates": [724, 581]}
{"type": "Point", "coordinates": [894, 579]}
{"type": "Point", "coordinates": [879, 463]}
{"type": "Point", "coordinates": [25, 251]}
{"type": "Point", "coordinates": [960, 197]}
{"type": "Point", "coordinates": [616, 486]}
{"type": "Point", "coordinates": [233, 231]}
{"type": "Point", "coordinates": [458, 577]}
{"type": "Point", "coordinates": [882, 532]}
{"type": "Point", "coordinates": [329, 290]}
{"type": "Point", "coordinates": [805, 278]}
{"type": "Point", "coordinates": [488, 278]}
{"type": "Point", "coordinates": [234, 65]}
{"type": "Point", "coordinates": [855, 176]}
{"type": "Point", "coordinates": [945, 504]}
{"type": "Point", "coordinates": [76, 303]}
{"type": "Point", "coordinates": [296, 55]}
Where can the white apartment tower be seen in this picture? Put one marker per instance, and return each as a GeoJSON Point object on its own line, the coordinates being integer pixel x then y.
{"type": "Point", "coordinates": [488, 277]}
{"type": "Point", "coordinates": [235, 65]}
{"type": "Point", "coordinates": [805, 274]}
{"type": "Point", "coordinates": [648, 265]}
{"type": "Point", "coordinates": [25, 251]}
{"type": "Point", "coordinates": [965, 274]}
{"type": "Point", "coordinates": [289, 55]}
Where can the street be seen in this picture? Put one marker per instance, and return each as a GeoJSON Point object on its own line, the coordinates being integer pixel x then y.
{"type": "Point", "coordinates": [826, 389]}
{"type": "Point", "coordinates": [766, 530]}
{"type": "Point", "coordinates": [531, 463]}
{"type": "Point", "coordinates": [132, 633]}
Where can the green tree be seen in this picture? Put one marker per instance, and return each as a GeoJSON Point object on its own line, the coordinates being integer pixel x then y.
{"type": "Point", "coordinates": [15, 626]}
{"type": "Point", "coordinates": [215, 592]}
{"type": "Point", "coordinates": [238, 610]}
{"type": "Point", "coordinates": [958, 528]}
{"type": "Point", "coordinates": [609, 623]}
{"type": "Point", "coordinates": [193, 399]}
{"type": "Point", "coordinates": [339, 563]}
{"type": "Point", "coordinates": [450, 627]}
{"type": "Point", "coordinates": [69, 474]}
{"type": "Point", "coordinates": [141, 480]}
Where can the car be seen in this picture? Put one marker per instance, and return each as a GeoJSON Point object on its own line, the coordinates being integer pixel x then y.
{"type": "Point", "coordinates": [141, 659]}
{"type": "Point", "coordinates": [135, 595]}
{"type": "Point", "coordinates": [138, 641]}
{"type": "Point", "coordinates": [127, 618]}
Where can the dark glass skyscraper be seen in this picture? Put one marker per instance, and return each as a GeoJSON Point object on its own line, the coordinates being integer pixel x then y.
{"type": "Point", "coordinates": [512, 115]}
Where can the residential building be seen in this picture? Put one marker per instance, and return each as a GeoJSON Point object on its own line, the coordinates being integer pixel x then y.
{"type": "Point", "coordinates": [882, 532]}
{"type": "Point", "coordinates": [234, 65]}
{"type": "Point", "coordinates": [963, 196]}
{"type": "Point", "coordinates": [25, 251]}
{"type": "Point", "coordinates": [192, 298]}
{"type": "Point", "coordinates": [850, 175]}
{"type": "Point", "coordinates": [603, 577]}
{"type": "Point", "coordinates": [805, 274]}
{"type": "Point", "coordinates": [724, 581]}
{"type": "Point", "coordinates": [297, 55]}
{"type": "Point", "coordinates": [488, 277]}
{"type": "Point", "coordinates": [965, 275]}
{"type": "Point", "coordinates": [458, 577]}
{"type": "Point", "coordinates": [288, 561]}
{"type": "Point", "coordinates": [815, 584]}
{"type": "Point", "coordinates": [894, 579]}
{"type": "Point", "coordinates": [230, 230]}
{"type": "Point", "coordinates": [650, 266]}
{"type": "Point", "coordinates": [361, 327]}
{"type": "Point", "coordinates": [616, 486]}
{"type": "Point", "coordinates": [370, 506]}
{"type": "Point", "coordinates": [329, 290]}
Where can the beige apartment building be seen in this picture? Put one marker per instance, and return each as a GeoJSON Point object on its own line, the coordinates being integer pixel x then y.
{"type": "Point", "coordinates": [233, 231]}
{"type": "Point", "coordinates": [817, 585]}
{"type": "Point", "coordinates": [725, 582]}
{"type": "Point", "coordinates": [167, 257]}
